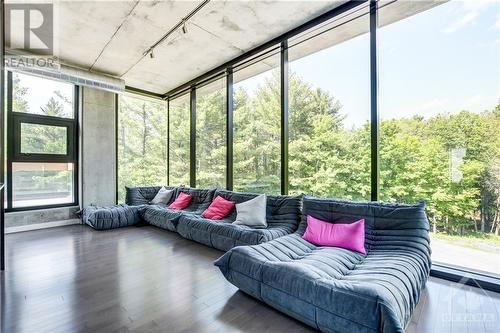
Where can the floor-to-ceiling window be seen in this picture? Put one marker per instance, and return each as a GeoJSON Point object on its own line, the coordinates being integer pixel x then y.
{"type": "Point", "coordinates": [179, 125]}
{"type": "Point", "coordinates": [42, 142]}
{"type": "Point", "coordinates": [329, 109]}
{"type": "Point", "coordinates": [142, 142]}
{"type": "Point", "coordinates": [211, 134]}
{"type": "Point", "coordinates": [257, 126]}
{"type": "Point", "coordinates": [438, 113]}
{"type": "Point", "coordinates": [440, 124]}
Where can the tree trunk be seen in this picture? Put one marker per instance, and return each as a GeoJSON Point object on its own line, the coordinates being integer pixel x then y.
{"type": "Point", "coordinates": [145, 129]}
{"type": "Point", "coordinates": [481, 212]}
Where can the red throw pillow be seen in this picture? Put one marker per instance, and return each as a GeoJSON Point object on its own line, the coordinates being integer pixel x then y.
{"type": "Point", "coordinates": [218, 209]}
{"type": "Point", "coordinates": [181, 202]}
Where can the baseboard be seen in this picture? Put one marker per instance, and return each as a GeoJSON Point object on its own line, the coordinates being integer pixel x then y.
{"type": "Point", "coordinates": [45, 225]}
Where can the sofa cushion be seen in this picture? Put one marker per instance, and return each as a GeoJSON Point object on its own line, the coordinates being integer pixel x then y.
{"type": "Point", "coordinates": [349, 236]}
{"type": "Point", "coordinates": [200, 201]}
{"type": "Point", "coordinates": [224, 235]}
{"type": "Point", "coordinates": [283, 216]}
{"type": "Point", "coordinates": [334, 289]}
{"type": "Point", "coordinates": [252, 212]}
{"type": "Point", "coordinates": [164, 196]}
{"type": "Point", "coordinates": [236, 197]}
{"type": "Point", "coordinates": [143, 195]}
{"type": "Point", "coordinates": [280, 209]}
{"type": "Point", "coordinates": [161, 216]}
{"type": "Point", "coordinates": [389, 226]}
{"type": "Point", "coordinates": [104, 218]}
{"type": "Point", "coordinates": [218, 209]}
{"type": "Point", "coordinates": [181, 202]}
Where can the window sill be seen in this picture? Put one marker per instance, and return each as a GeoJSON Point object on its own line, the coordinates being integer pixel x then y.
{"type": "Point", "coordinates": [23, 209]}
{"type": "Point", "coordinates": [483, 281]}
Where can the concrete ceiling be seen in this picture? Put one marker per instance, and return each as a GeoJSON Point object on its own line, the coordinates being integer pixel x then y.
{"type": "Point", "coordinates": [111, 36]}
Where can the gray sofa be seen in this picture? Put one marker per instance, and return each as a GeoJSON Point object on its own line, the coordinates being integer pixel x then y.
{"type": "Point", "coordinates": [163, 217]}
{"type": "Point", "coordinates": [337, 290]}
{"type": "Point", "coordinates": [283, 217]}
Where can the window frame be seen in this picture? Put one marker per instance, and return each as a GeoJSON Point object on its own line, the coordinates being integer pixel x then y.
{"type": "Point", "coordinates": [23, 118]}
{"type": "Point", "coordinates": [14, 154]}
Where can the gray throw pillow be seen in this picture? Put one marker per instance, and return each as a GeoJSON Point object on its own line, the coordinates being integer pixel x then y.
{"type": "Point", "coordinates": [252, 212]}
{"type": "Point", "coordinates": [163, 196]}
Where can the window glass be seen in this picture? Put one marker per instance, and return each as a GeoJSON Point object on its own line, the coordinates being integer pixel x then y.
{"type": "Point", "coordinates": [439, 124]}
{"type": "Point", "coordinates": [257, 127]}
{"type": "Point", "coordinates": [329, 109]}
{"type": "Point", "coordinates": [179, 113]}
{"type": "Point", "coordinates": [211, 135]}
{"type": "Point", "coordinates": [142, 143]}
{"type": "Point", "coordinates": [40, 96]}
{"type": "Point", "coordinates": [43, 139]}
{"type": "Point", "coordinates": [41, 184]}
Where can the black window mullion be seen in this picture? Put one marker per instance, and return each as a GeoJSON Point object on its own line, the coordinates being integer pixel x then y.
{"type": "Point", "coordinates": [76, 152]}
{"type": "Point", "coordinates": [284, 117]}
{"type": "Point", "coordinates": [117, 103]}
{"type": "Point", "coordinates": [168, 142]}
{"type": "Point", "coordinates": [10, 140]}
{"type": "Point", "coordinates": [374, 125]}
{"type": "Point", "coordinates": [192, 141]}
{"type": "Point", "coordinates": [229, 129]}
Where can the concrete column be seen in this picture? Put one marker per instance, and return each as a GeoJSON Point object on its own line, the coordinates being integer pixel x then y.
{"type": "Point", "coordinates": [98, 149]}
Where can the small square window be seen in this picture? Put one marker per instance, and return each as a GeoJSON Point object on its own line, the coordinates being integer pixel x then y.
{"type": "Point", "coordinates": [43, 139]}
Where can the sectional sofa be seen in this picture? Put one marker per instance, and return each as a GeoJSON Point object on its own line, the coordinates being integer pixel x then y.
{"type": "Point", "coordinates": [329, 288]}
{"type": "Point", "coordinates": [282, 215]}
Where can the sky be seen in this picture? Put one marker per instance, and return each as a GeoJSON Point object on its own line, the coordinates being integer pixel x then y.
{"type": "Point", "coordinates": [445, 59]}
{"type": "Point", "coordinates": [40, 91]}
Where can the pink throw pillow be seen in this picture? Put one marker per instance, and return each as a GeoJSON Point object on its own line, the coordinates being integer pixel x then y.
{"type": "Point", "coordinates": [348, 236]}
{"type": "Point", "coordinates": [218, 209]}
{"type": "Point", "coordinates": [181, 202]}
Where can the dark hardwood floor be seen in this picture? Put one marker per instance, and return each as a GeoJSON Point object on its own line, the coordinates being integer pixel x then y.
{"type": "Point", "coordinates": [143, 279]}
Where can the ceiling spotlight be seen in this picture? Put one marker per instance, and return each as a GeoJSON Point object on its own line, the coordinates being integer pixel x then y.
{"type": "Point", "coordinates": [184, 28]}
{"type": "Point", "coordinates": [151, 54]}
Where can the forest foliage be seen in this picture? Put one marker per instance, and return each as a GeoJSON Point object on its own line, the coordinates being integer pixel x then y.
{"type": "Point", "coordinates": [452, 161]}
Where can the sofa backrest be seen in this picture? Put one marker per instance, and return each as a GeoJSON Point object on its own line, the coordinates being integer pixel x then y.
{"type": "Point", "coordinates": [284, 210]}
{"type": "Point", "coordinates": [237, 197]}
{"type": "Point", "coordinates": [388, 226]}
{"type": "Point", "coordinates": [281, 209]}
{"type": "Point", "coordinates": [201, 198]}
{"type": "Point", "coordinates": [142, 195]}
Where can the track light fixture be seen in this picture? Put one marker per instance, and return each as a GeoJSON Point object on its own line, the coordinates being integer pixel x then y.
{"type": "Point", "coordinates": [181, 24]}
